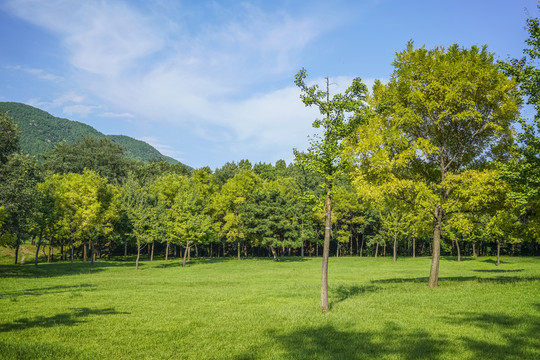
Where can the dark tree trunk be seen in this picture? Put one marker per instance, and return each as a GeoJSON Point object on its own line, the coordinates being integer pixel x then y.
{"type": "Point", "coordinates": [17, 251]}
{"type": "Point", "coordinates": [436, 251]}
{"type": "Point", "coordinates": [152, 252]}
{"type": "Point", "coordinates": [125, 250]}
{"type": "Point", "coordinates": [458, 251]}
{"type": "Point", "coordinates": [413, 247]}
{"type": "Point", "coordinates": [71, 245]}
{"type": "Point", "coordinates": [50, 251]}
{"type": "Point", "coordinates": [498, 253]}
{"type": "Point", "coordinates": [93, 252]}
{"type": "Point", "coordinates": [326, 249]}
{"type": "Point", "coordinates": [84, 252]}
{"type": "Point", "coordinates": [376, 250]}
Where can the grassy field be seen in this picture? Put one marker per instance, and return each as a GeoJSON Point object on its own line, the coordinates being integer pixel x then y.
{"type": "Point", "coordinates": [257, 309]}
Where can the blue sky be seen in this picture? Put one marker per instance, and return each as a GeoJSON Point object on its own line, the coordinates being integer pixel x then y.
{"type": "Point", "coordinates": [208, 82]}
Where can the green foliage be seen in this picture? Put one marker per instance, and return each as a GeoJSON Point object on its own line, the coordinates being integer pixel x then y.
{"type": "Point", "coordinates": [523, 171]}
{"type": "Point", "coordinates": [9, 137]}
{"type": "Point", "coordinates": [100, 155]}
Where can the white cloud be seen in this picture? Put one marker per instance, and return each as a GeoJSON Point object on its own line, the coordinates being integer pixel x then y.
{"type": "Point", "coordinates": [116, 115]}
{"type": "Point", "coordinates": [162, 148]}
{"type": "Point", "coordinates": [81, 110]}
{"type": "Point", "coordinates": [39, 73]}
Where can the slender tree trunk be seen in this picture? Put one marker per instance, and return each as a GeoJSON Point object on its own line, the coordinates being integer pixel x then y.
{"type": "Point", "coordinates": [238, 249]}
{"type": "Point", "coordinates": [376, 250]}
{"type": "Point", "coordinates": [498, 253]}
{"type": "Point", "coordinates": [326, 248]}
{"type": "Point", "coordinates": [167, 252]}
{"type": "Point", "coordinates": [413, 247]}
{"type": "Point", "coordinates": [474, 249]}
{"type": "Point", "coordinates": [84, 252]}
{"type": "Point", "coordinates": [302, 235]}
{"type": "Point", "coordinates": [50, 251]}
{"type": "Point", "coordinates": [274, 253]}
{"type": "Point", "coordinates": [186, 251]}
{"type": "Point", "coordinates": [395, 247]}
{"type": "Point", "coordinates": [152, 252]}
{"type": "Point", "coordinates": [93, 254]}
{"type": "Point", "coordinates": [71, 245]}
{"type": "Point", "coordinates": [458, 251]}
{"type": "Point", "coordinates": [436, 251]}
{"type": "Point", "coordinates": [362, 246]}
{"type": "Point", "coordinates": [197, 251]}
{"type": "Point", "coordinates": [138, 256]}
{"type": "Point", "coordinates": [17, 250]}
{"type": "Point", "coordinates": [125, 249]}
{"type": "Point", "coordinates": [37, 251]}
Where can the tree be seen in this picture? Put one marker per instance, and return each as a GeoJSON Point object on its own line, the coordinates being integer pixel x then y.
{"type": "Point", "coordinates": [523, 171]}
{"type": "Point", "coordinates": [325, 154]}
{"type": "Point", "coordinates": [18, 179]}
{"type": "Point", "coordinates": [100, 155]}
{"type": "Point", "coordinates": [227, 205]}
{"type": "Point", "coordinates": [9, 137]}
{"type": "Point", "coordinates": [444, 110]}
{"type": "Point", "coordinates": [271, 217]}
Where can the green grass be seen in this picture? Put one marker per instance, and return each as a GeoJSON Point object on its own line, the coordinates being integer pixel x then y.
{"type": "Point", "coordinates": [257, 309]}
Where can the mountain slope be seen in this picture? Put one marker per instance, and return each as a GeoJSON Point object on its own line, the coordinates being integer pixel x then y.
{"type": "Point", "coordinates": [40, 131]}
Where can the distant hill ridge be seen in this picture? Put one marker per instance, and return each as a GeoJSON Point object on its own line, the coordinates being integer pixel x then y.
{"type": "Point", "coordinates": [40, 131]}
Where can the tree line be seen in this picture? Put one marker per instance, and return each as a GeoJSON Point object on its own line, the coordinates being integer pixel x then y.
{"type": "Point", "coordinates": [429, 163]}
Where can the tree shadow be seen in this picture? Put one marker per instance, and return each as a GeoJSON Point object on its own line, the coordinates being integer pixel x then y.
{"type": "Point", "coordinates": [47, 270]}
{"type": "Point", "coordinates": [63, 319]}
{"type": "Point", "coordinates": [497, 280]}
{"type": "Point", "coordinates": [344, 292]}
{"type": "Point", "coordinates": [493, 261]}
{"type": "Point", "coordinates": [327, 342]}
{"type": "Point", "coordinates": [520, 334]}
{"type": "Point", "coordinates": [454, 258]}
{"type": "Point", "coordinates": [48, 290]}
{"type": "Point", "coordinates": [498, 271]}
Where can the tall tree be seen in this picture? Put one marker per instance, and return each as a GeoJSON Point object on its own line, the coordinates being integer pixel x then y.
{"type": "Point", "coordinates": [444, 110]}
{"type": "Point", "coordinates": [325, 154]}
{"type": "Point", "coordinates": [523, 172]}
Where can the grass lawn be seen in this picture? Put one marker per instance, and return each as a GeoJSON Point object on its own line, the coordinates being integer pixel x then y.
{"type": "Point", "coordinates": [258, 309]}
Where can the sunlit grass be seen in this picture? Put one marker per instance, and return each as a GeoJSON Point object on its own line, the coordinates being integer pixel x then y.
{"type": "Point", "coordinates": [258, 309]}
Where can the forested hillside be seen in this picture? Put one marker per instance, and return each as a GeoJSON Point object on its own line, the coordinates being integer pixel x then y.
{"type": "Point", "coordinates": [40, 131]}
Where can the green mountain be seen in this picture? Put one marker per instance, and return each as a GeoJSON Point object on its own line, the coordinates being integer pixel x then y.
{"type": "Point", "coordinates": [40, 131]}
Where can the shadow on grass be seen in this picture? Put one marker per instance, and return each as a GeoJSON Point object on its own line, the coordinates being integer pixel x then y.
{"type": "Point", "coordinates": [454, 258]}
{"type": "Point", "coordinates": [343, 292]}
{"type": "Point", "coordinates": [59, 269]}
{"type": "Point", "coordinates": [327, 342]}
{"type": "Point", "coordinates": [48, 290]}
{"type": "Point", "coordinates": [494, 261]}
{"type": "Point", "coordinates": [496, 280]}
{"type": "Point", "coordinates": [499, 271]}
{"type": "Point", "coordinates": [63, 319]}
{"type": "Point", "coordinates": [519, 334]}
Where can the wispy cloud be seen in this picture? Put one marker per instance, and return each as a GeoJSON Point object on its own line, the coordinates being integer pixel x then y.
{"type": "Point", "coordinates": [39, 73]}
{"type": "Point", "coordinates": [163, 148]}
